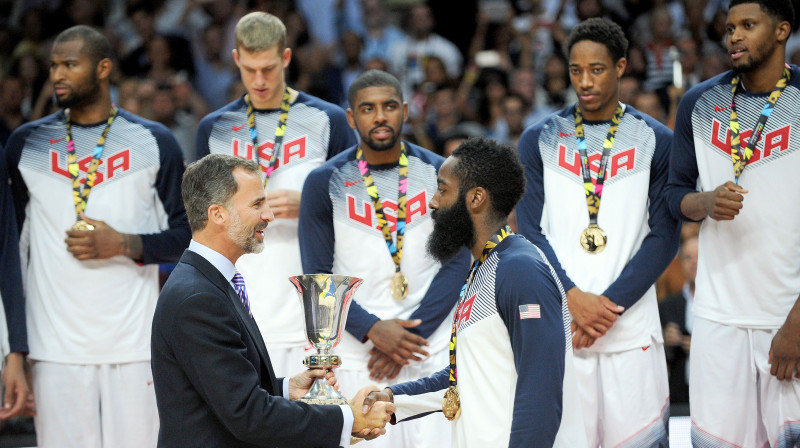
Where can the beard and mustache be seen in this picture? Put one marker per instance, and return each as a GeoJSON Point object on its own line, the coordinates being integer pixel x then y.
{"type": "Point", "coordinates": [452, 230]}
{"type": "Point", "coordinates": [244, 236]}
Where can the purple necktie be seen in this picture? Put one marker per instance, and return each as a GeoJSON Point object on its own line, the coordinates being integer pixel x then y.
{"type": "Point", "coordinates": [238, 285]}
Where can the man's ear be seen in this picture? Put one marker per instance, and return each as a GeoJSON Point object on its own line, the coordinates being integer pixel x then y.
{"type": "Point", "coordinates": [217, 214]}
{"type": "Point", "coordinates": [477, 198]}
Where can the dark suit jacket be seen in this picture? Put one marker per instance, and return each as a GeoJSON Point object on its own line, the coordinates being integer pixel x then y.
{"type": "Point", "coordinates": [213, 379]}
{"type": "Point", "coordinates": [673, 309]}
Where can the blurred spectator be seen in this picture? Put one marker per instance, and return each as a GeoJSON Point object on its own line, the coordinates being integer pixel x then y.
{"type": "Point", "coordinates": [407, 58]}
{"type": "Point", "coordinates": [629, 88]}
{"type": "Point", "coordinates": [637, 62]}
{"type": "Point", "coordinates": [443, 115]}
{"type": "Point", "coordinates": [649, 103]}
{"type": "Point", "coordinates": [180, 122]}
{"type": "Point", "coordinates": [556, 83]}
{"type": "Point", "coordinates": [714, 63]}
{"type": "Point", "coordinates": [676, 321]}
{"type": "Point", "coordinates": [657, 50]}
{"type": "Point", "coordinates": [10, 106]}
{"type": "Point", "coordinates": [347, 67]}
{"type": "Point", "coordinates": [511, 123]}
{"type": "Point", "coordinates": [523, 83]}
{"type": "Point", "coordinates": [213, 76]}
{"type": "Point", "coordinates": [330, 18]}
{"type": "Point", "coordinates": [379, 33]}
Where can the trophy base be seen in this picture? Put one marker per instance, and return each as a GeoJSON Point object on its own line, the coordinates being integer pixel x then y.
{"type": "Point", "coordinates": [313, 400]}
{"type": "Point", "coordinates": [322, 393]}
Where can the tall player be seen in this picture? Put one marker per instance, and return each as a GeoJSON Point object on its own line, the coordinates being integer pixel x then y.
{"type": "Point", "coordinates": [98, 191]}
{"type": "Point", "coordinates": [365, 213]}
{"type": "Point", "coordinates": [510, 380]}
{"type": "Point", "coordinates": [608, 258]}
{"type": "Point", "coordinates": [288, 133]}
{"type": "Point", "coordinates": [733, 167]}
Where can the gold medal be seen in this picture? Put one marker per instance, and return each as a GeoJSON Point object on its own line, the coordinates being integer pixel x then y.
{"type": "Point", "coordinates": [82, 225]}
{"type": "Point", "coordinates": [593, 239]}
{"type": "Point", "coordinates": [451, 404]}
{"type": "Point", "coordinates": [399, 286]}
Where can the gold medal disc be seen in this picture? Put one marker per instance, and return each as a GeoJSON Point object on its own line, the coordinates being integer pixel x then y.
{"type": "Point", "coordinates": [593, 239]}
{"type": "Point", "coordinates": [82, 225]}
{"type": "Point", "coordinates": [399, 286]}
{"type": "Point", "coordinates": [451, 403]}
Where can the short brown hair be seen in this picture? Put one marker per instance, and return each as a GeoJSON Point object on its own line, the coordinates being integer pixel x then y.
{"type": "Point", "coordinates": [259, 31]}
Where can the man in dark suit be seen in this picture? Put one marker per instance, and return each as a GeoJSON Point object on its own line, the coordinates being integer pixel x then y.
{"type": "Point", "coordinates": [214, 383]}
{"type": "Point", "coordinates": [676, 322]}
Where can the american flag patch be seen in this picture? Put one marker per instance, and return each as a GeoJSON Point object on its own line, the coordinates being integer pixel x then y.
{"type": "Point", "coordinates": [529, 312]}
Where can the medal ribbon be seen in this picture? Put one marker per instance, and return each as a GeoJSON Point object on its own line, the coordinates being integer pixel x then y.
{"type": "Point", "coordinates": [396, 250]}
{"type": "Point", "coordinates": [594, 191]}
{"type": "Point", "coordinates": [81, 196]}
{"type": "Point", "coordinates": [280, 131]}
{"type": "Point", "coordinates": [501, 234]}
{"type": "Point", "coordinates": [739, 157]}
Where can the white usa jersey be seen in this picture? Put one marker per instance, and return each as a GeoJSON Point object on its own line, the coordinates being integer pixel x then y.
{"type": "Point", "coordinates": [315, 131]}
{"type": "Point", "coordinates": [513, 358]}
{"type": "Point", "coordinates": [339, 234]}
{"type": "Point", "coordinates": [748, 269]}
{"type": "Point", "coordinates": [642, 236]}
{"type": "Point", "coordinates": [96, 311]}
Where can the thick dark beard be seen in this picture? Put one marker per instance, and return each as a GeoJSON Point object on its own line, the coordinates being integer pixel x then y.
{"type": "Point", "coordinates": [83, 96]}
{"type": "Point", "coordinates": [452, 230]}
{"type": "Point", "coordinates": [380, 147]}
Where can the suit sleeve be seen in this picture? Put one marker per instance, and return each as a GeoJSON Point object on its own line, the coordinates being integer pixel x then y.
{"type": "Point", "coordinates": [660, 245]}
{"type": "Point", "coordinates": [530, 207]}
{"type": "Point", "coordinates": [208, 343]}
{"type": "Point", "coordinates": [442, 294]}
{"type": "Point", "coordinates": [539, 346]}
{"type": "Point", "coordinates": [168, 245]}
{"type": "Point", "coordinates": [683, 171]}
{"type": "Point", "coordinates": [11, 278]}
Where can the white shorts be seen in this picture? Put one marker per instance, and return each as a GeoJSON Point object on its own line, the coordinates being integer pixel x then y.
{"type": "Point", "coordinates": [625, 397]}
{"type": "Point", "coordinates": [95, 406]}
{"type": "Point", "coordinates": [431, 431]}
{"type": "Point", "coordinates": [735, 401]}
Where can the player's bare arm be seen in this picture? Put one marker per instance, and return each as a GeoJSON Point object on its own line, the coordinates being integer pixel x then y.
{"type": "Point", "coordinates": [103, 242]}
{"type": "Point", "coordinates": [784, 353]}
{"type": "Point", "coordinates": [721, 204]}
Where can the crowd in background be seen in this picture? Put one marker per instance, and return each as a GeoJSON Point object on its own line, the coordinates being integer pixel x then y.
{"type": "Point", "coordinates": [473, 67]}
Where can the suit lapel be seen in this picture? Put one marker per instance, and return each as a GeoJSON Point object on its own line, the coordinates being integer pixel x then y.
{"type": "Point", "coordinates": [216, 278]}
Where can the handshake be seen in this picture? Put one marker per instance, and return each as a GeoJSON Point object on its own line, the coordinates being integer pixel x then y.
{"type": "Point", "coordinates": [372, 409]}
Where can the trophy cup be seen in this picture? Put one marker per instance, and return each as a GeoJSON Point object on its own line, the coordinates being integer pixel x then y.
{"type": "Point", "coordinates": [326, 299]}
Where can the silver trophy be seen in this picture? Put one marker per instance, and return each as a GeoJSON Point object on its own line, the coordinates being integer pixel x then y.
{"type": "Point", "coordinates": [326, 299]}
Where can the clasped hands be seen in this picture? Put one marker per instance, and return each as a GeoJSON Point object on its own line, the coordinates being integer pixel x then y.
{"type": "Point", "coordinates": [592, 316]}
{"type": "Point", "coordinates": [368, 422]}
{"type": "Point", "coordinates": [395, 347]}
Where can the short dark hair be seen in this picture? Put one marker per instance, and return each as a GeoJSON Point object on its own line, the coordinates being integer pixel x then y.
{"type": "Point", "coordinates": [373, 78]}
{"type": "Point", "coordinates": [210, 181]}
{"type": "Point", "coordinates": [783, 10]}
{"type": "Point", "coordinates": [495, 166]}
{"type": "Point", "coordinates": [602, 31]}
{"type": "Point", "coordinates": [95, 44]}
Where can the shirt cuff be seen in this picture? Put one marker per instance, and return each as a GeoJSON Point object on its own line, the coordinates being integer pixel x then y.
{"type": "Point", "coordinates": [347, 427]}
{"type": "Point", "coordinates": [286, 389]}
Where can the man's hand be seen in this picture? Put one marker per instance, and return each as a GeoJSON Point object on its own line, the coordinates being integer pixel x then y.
{"type": "Point", "coordinates": [284, 203]}
{"type": "Point", "coordinates": [592, 313]}
{"type": "Point", "coordinates": [392, 338]}
{"type": "Point", "coordinates": [382, 366]}
{"type": "Point", "coordinates": [724, 203]}
{"type": "Point", "coordinates": [103, 242]}
{"type": "Point", "coordinates": [580, 339]}
{"type": "Point", "coordinates": [369, 422]}
{"type": "Point", "coordinates": [672, 335]}
{"type": "Point", "coordinates": [300, 384]}
{"type": "Point", "coordinates": [784, 353]}
{"type": "Point", "coordinates": [14, 401]}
